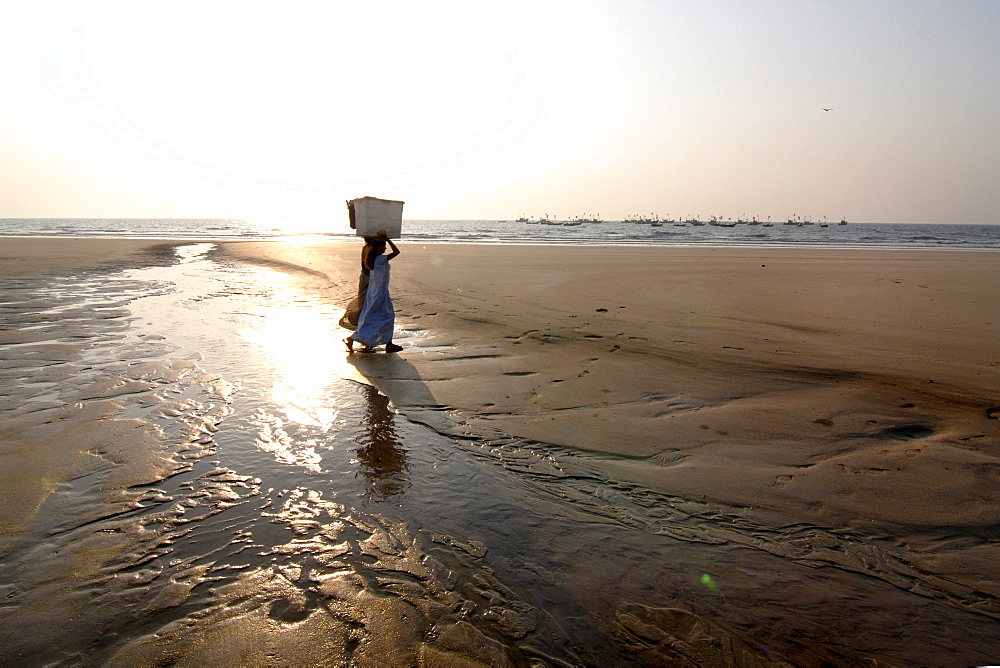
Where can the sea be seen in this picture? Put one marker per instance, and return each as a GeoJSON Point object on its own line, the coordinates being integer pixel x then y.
{"type": "Point", "coordinates": [195, 471]}
{"type": "Point", "coordinates": [754, 233]}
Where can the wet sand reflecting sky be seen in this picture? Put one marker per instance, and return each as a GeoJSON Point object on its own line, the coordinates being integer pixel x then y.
{"type": "Point", "coordinates": [239, 493]}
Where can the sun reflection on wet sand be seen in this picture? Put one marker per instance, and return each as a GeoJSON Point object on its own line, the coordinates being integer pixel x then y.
{"type": "Point", "coordinates": [245, 505]}
{"type": "Point", "coordinates": [301, 336]}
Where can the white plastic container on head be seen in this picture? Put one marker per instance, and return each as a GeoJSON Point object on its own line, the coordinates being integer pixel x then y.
{"type": "Point", "coordinates": [372, 214]}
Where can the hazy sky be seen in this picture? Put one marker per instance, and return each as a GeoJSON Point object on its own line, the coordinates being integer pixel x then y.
{"type": "Point", "coordinates": [494, 110]}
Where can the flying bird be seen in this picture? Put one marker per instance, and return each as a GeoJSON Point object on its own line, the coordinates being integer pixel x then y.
{"type": "Point", "coordinates": [825, 109]}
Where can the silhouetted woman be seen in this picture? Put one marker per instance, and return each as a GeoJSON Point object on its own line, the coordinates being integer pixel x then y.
{"type": "Point", "coordinates": [350, 318]}
{"type": "Point", "coordinates": [377, 319]}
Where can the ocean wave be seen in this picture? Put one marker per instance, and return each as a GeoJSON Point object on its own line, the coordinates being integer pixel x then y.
{"type": "Point", "coordinates": [875, 235]}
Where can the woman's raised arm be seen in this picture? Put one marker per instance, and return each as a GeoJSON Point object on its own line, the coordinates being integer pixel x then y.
{"type": "Point", "coordinates": [385, 237]}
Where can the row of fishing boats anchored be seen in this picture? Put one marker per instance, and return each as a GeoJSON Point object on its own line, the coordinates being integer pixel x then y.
{"type": "Point", "coordinates": [547, 220]}
{"type": "Point", "coordinates": [656, 221]}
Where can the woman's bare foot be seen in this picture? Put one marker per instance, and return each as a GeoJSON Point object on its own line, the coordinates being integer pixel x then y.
{"type": "Point", "coordinates": [363, 349]}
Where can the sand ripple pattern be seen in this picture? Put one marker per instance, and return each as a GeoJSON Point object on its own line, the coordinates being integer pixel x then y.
{"type": "Point", "coordinates": [184, 485]}
{"type": "Point", "coordinates": [144, 545]}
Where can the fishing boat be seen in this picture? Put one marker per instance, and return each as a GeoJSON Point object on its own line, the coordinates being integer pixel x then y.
{"type": "Point", "coordinates": [716, 222]}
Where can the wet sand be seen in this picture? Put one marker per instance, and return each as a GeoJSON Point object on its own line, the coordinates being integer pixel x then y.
{"type": "Point", "coordinates": [847, 386]}
{"type": "Point", "coordinates": [32, 255]}
{"type": "Point", "coordinates": [182, 484]}
{"type": "Point", "coordinates": [44, 448]}
{"type": "Point", "coordinates": [816, 428]}
{"type": "Point", "coordinates": [851, 390]}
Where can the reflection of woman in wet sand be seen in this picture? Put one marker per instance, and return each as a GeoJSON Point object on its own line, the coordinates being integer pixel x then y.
{"type": "Point", "coordinates": [377, 319]}
{"type": "Point", "coordinates": [382, 460]}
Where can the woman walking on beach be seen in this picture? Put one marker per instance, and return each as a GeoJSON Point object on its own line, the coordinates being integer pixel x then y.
{"type": "Point", "coordinates": [353, 312]}
{"type": "Point", "coordinates": [377, 319]}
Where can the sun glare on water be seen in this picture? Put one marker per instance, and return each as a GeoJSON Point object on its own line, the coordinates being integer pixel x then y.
{"type": "Point", "coordinates": [301, 337]}
{"type": "Point", "coordinates": [303, 229]}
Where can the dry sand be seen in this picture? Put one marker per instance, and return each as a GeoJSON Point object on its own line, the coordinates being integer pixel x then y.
{"type": "Point", "coordinates": [834, 386]}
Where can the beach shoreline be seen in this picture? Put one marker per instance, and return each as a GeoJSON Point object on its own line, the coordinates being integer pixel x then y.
{"type": "Point", "coordinates": [812, 382]}
{"type": "Point", "coordinates": [764, 378]}
{"type": "Point", "coordinates": [839, 406]}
